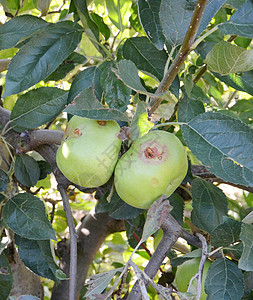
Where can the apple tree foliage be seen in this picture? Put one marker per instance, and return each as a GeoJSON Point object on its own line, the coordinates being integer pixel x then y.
{"type": "Point", "coordinates": [141, 63]}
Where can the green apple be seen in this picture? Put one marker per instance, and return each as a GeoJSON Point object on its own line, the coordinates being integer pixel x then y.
{"type": "Point", "coordinates": [89, 151]}
{"type": "Point", "coordinates": [186, 271]}
{"type": "Point", "coordinates": [155, 165]}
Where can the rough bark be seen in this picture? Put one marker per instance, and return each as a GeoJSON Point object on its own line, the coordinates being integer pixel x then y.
{"type": "Point", "coordinates": [25, 282]}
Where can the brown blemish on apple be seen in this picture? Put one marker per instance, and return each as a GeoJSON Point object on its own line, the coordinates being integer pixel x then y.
{"type": "Point", "coordinates": [149, 152]}
{"type": "Point", "coordinates": [101, 123]}
{"type": "Point", "coordinates": [77, 132]}
{"type": "Point", "coordinates": [153, 153]}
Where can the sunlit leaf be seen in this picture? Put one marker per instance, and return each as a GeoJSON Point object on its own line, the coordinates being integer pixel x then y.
{"type": "Point", "coordinates": [226, 58]}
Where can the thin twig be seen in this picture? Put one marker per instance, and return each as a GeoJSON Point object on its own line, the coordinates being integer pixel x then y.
{"type": "Point", "coordinates": [200, 73]}
{"type": "Point", "coordinates": [201, 264]}
{"type": "Point", "coordinates": [169, 59]}
{"type": "Point", "coordinates": [181, 55]}
{"type": "Point", "coordinates": [232, 96]}
{"type": "Point", "coordinates": [141, 281]}
{"type": "Point", "coordinates": [171, 232]}
{"type": "Point", "coordinates": [73, 243]}
{"type": "Point", "coordinates": [199, 40]}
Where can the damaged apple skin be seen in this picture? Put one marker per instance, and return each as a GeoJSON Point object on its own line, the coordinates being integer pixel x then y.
{"type": "Point", "coordinates": [89, 151]}
{"type": "Point", "coordinates": [155, 165]}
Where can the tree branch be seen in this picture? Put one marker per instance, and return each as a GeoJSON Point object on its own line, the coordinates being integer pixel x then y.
{"type": "Point", "coordinates": [201, 171]}
{"type": "Point", "coordinates": [171, 232]}
{"type": "Point", "coordinates": [31, 139]}
{"type": "Point", "coordinates": [182, 53]}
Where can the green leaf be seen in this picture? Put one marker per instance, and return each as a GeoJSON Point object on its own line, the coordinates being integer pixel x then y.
{"type": "Point", "coordinates": [84, 80]}
{"type": "Point", "coordinates": [140, 123]}
{"type": "Point", "coordinates": [179, 15]}
{"type": "Point", "coordinates": [37, 256]}
{"type": "Point", "coordinates": [209, 205]}
{"type": "Point", "coordinates": [226, 233]}
{"type": "Point", "coordinates": [66, 66]}
{"type": "Point", "coordinates": [104, 205]}
{"type": "Point", "coordinates": [11, 4]}
{"type": "Point", "coordinates": [60, 220]}
{"type": "Point", "coordinates": [43, 6]}
{"type": "Point", "coordinates": [213, 6]}
{"type": "Point", "coordinates": [226, 58]}
{"type": "Point", "coordinates": [177, 202]}
{"type": "Point", "coordinates": [124, 211]}
{"type": "Point", "coordinates": [145, 56]}
{"type": "Point", "coordinates": [235, 250]}
{"type": "Point", "coordinates": [4, 180]}
{"type": "Point", "coordinates": [6, 279]}
{"type": "Point", "coordinates": [2, 197]}
{"type": "Point", "coordinates": [117, 208]}
{"type": "Point", "coordinates": [116, 93]}
{"type": "Point", "coordinates": [175, 18]}
{"type": "Point", "coordinates": [248, 281]}
{"type": "Point", "coordinates": [241, 22]}
{"type": "Point", "coordinates": [244, 109]}
{"type": "Point", "coordinates": [128, 73]}
{"type": "Point", "coordinates": [239, 82]}
{"type": "Point", "coordinates": [243, 42]}
{"type": "Point", "coordinates": [103, 28]}
{"type": "Point", "coordinates": [181, 259]}
{"type": "Point", "coordinates": [19, 28]}
{"type": "Point", "coordinates": [223, 144]}
{"type": "Point", "coordinates": [45, 169]}
{"type": "Point", "coordinates": [189, 108]}
{"type": "Point", "coordinates": [38, 107]}
{"type": "Point", "coordinates": [119, 12]}
{"type": "Point", "coordinates": [38, 58]}
{"type": "Point", "coordinates": [224, 280]}
{"type": "Point", "coordinates": [198, 94]}
{"type": "Point", "coordinates": [99, 282]}
{"type": "Point", "coordinates": [89, 25]}
{"type": "Point", "coordinates": [134, 227]}
{"type": "Point", "coordinates": [86, 105]}
{"type": "Point", "coordinates": [246, 262]}
{"type": "Point", "coordinates": [235, 3]}
{"type": "Point", "coordinates": [26, 170]}
{"type": "Point", "coordinates": [135, 20]}
{"type": "Point", "coordinates": [25, 214]}
{"type": "Point", "coordinates": [149, 17]}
